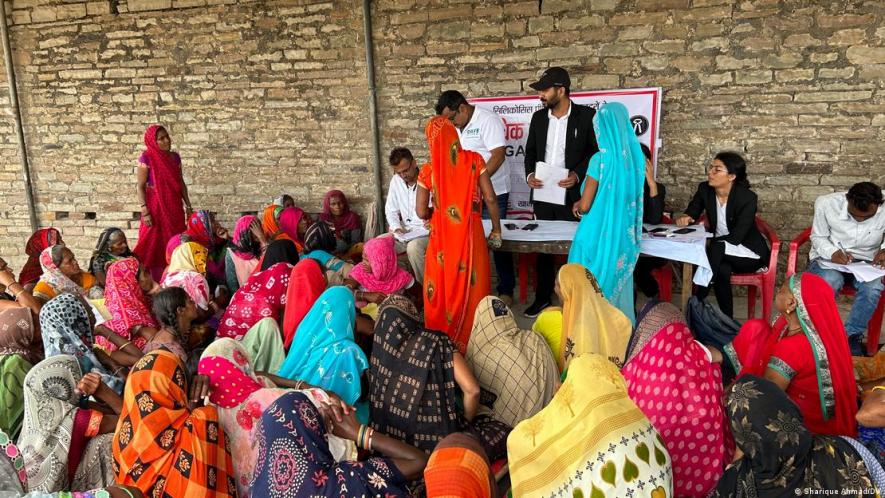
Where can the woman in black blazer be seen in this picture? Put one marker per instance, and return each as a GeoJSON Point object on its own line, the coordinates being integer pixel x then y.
{"type": "Point", "coordinates": [727, 189]}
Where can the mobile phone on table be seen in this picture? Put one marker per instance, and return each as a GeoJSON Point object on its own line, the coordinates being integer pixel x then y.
{"type": "Point", "coordinates": [683, 231]}
{"type": "Point", "coordinates": [658, 230]}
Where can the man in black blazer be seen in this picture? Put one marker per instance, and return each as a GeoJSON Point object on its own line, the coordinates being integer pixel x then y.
{"type": "Point", "coordinates": [561, 135]}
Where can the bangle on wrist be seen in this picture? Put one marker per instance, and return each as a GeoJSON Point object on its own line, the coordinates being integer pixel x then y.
{"type": "Point", "coordinates": [94, 424]}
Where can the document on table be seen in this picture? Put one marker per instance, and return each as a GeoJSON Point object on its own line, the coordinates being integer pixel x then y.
{"type": "Point", "coordinates": [415, 233]}
{"type": "Point", "coordinates": [862, 270]}
{"type": "Point", "coordinates": [551, 176]}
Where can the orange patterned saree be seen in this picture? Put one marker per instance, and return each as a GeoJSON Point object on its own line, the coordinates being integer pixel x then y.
{"type": "Point", "coordinates": [162, 448]}
{"type": "Point", "coordinates": [457, 262]}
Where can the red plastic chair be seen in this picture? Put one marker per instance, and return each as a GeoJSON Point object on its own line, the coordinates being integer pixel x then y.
{"type": "Point", "coordinates": [759, 282]}
{"type": "Point", "coordinates": [526, 264]}
{"type": "Point", "coordinates": [664, 274]}
{"type": "Point", "coordinates": [874, 328]}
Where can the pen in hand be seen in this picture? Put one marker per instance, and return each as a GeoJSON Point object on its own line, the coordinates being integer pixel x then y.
{"type": "Point", "coordinates": [846, 253]}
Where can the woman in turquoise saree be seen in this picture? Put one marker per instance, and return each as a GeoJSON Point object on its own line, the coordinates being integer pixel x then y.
{"type": "Point", "coordinates": [607, 240]}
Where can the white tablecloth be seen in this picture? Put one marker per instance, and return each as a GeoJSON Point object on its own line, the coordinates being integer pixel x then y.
{"type": "Point", "coordinates": [688, 249]}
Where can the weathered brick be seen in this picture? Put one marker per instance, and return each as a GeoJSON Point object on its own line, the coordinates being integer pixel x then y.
{"type": "Point", "coordinates": [801, 41]}
{"type": "Point", "coordinates": [665, 46]}
{"type": "Point", "coordinates": [845, 20]}
{"type": "Point", "coordinates": [752, 77]}
{"type": "Point", "coordinates": [839, 73]}
{"type": "Point", "coordinates": [795, 75]}
{"type": "Point", "coordinates": [833, 96]}
{"type": "Point", "coordinates": [859, 54]}
{"type": "Point", "coordinates": [142, 5]}
{"type": "Point", "coordinates": [718, 42]}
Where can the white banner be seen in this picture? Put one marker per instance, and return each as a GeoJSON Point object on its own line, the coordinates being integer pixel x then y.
{"type": "Point", "coordinates": [643, 104]}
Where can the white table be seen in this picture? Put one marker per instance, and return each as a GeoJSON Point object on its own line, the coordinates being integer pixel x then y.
{"type": "Point", "coordinates": [555, 237]}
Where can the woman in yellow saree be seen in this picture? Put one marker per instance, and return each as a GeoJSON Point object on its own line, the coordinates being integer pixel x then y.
{"type": "Point", "coordinates": [590, 441]}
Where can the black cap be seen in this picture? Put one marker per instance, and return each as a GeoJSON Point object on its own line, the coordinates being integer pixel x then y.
{"type": "Point", "coordinates": [554, 76]}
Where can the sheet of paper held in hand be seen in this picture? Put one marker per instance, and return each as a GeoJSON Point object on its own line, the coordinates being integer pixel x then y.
{"type": "Point", "coordinates": [551, 176]}
{"type": "Point", "coordinates": [412, 234]}
{"type": "Point", "coordinates": [862, 270]}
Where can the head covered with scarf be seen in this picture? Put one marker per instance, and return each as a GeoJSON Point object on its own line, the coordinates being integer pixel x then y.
{"type": "Point", "coordinates": [781, 457]}
{"type": "Point", "coordinates": [67, 328]}
{"type": "Point", "coordinates": [319, 237]}
{"type": "Point", "coordinates": [52, 274]}
{"type": "Point", "coordinates": [289, 219]}
{"type": "Point", "coordinates": [201, 229]}
{"type": "Point", "coordinates": [102, 255]}
{"type": "Point", "coordinates": [347, 220]}
{"type": "Point", "coordinates": [590, 324]}
{"type": "Point", "coordinates": [244, 244]}
{"type": "Point", "coordinates": [37, 243]}
{"type": "Point", "coordinates": [379, 271]}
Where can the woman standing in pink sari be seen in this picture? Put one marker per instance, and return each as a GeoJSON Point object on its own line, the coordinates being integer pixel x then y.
{"type": "Point", "coordinates": [163, 197]}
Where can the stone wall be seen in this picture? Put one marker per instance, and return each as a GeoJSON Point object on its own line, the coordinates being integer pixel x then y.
{"type": "Point", "coordinates": [269, 96]}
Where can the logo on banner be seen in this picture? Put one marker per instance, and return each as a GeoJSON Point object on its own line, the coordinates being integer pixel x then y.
{"type": "Point", "coordinates": [640, 125]}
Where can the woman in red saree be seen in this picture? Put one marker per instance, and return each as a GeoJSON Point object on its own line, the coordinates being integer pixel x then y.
{"type": "Point", "coordinates": [457, 269]}
{"type": "Point", "coordinates": [805, 353]}
{"type": "Point", "coordinates": [163, 196]}
{"type": "Point", "coordinates": [40, 240]}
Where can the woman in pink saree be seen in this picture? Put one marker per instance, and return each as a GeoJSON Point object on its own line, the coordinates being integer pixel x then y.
{"type": "Point", "coordinates": [677, 386]}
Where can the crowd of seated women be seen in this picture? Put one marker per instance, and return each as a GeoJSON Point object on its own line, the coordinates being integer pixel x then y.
{"type": "Point", "coordinates": [292, 358]}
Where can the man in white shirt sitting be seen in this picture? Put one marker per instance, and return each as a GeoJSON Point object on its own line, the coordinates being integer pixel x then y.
{"type": "Point", "coordinates": [850, 227]}
{"type": "Point", "coordinates": [411, 234]}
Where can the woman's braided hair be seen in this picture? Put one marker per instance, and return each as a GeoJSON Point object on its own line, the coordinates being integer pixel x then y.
{"type": "Point", "coordinates": [165, 308]}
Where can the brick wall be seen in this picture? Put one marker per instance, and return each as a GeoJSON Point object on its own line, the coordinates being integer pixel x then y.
{"type": "Point", "coordinates": [264, 96]}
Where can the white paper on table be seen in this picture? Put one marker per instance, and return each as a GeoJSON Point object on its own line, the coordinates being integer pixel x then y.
{"type": "Point", "coordinates": [415, 233]}
{"type": "Point", "coordinates": [551, 176]}
{"type": "Point", "coordinates": [862, 270]}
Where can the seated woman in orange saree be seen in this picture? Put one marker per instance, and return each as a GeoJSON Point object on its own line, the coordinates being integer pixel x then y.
{"type": "Point", "coordinates": [456, 275]}
{"type": "Point", "coordinates": [164, 448]}
{"type": "Point", "coordinates": [805, 352]}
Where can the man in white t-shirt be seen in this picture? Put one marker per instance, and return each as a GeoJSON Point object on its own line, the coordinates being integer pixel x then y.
{"type": "Point", "coordinates": [483, 132]}
{"type": "Point", "coordinates": [402, 219]}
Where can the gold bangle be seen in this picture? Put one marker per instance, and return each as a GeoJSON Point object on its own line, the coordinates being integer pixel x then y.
{"type": "Point", "coordinates": [120, 348]}
{"type": "Point", "coordinates": [879, 388]}
{"type": "Point", "coordinates": [299, 384]}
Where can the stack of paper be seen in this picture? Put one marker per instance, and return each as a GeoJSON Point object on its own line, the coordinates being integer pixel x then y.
{"type": "Point", "coordinates": [862, 270]}
{"type": "Point", "coordinates": [412, 234]}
